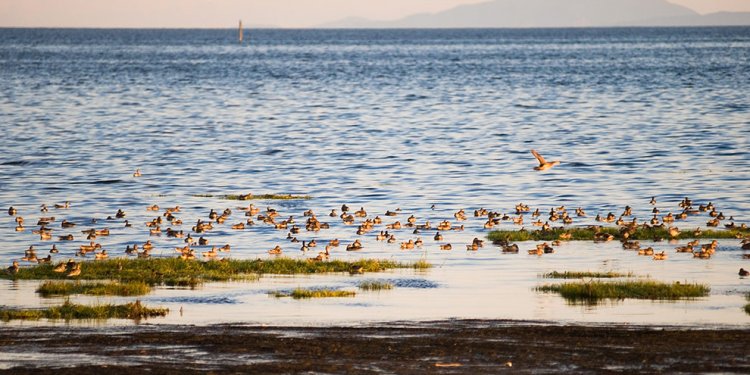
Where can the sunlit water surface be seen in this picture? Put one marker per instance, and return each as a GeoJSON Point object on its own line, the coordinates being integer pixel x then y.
{"type": "Point", "coordinates": [382, 119]}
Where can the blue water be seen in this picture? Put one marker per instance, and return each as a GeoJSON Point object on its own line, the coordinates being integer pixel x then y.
{"type": "Point", "coordinates": [374, 118]}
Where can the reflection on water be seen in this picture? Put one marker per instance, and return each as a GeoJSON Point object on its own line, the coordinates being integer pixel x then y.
{"type": "Point", "coordinates": [382, 119]}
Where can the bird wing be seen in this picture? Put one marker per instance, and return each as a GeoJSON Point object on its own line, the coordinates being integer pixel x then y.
{"type": "Point", "coordinates": [538, 157]}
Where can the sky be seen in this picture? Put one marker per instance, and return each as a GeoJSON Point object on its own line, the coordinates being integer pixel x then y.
{"type": "Point", "coordinates": [226, 13]}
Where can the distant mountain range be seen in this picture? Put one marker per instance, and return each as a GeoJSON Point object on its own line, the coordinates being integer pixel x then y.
{"type": "Point", "coordinates": [555, 13]}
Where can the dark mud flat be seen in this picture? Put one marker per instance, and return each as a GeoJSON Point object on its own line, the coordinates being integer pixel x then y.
{"type": "Point", "coordinates": [467, 346]}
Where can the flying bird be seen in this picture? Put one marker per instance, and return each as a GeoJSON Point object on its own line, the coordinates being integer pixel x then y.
{"type": "Point", "coordinates": [543, 164]}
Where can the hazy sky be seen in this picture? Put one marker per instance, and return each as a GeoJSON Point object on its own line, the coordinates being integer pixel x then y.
{"type": "Point", "coordinates": [225, 13]}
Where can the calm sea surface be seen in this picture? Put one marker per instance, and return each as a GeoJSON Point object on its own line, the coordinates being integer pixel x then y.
{"type": "Point", "coordinates": [383, 119]}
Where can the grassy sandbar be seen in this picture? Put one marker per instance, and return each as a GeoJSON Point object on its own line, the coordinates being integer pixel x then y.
{"type": "Point", "coordinates": [591, 292]}
{"type": "Point", "coordinates": [587, 234]}
{"type": "Point", "coordinates": [176, 271]}
{"type": "Point", "coordinates": [69, 311]}
{"type": "Point", "coordinates": [300, 293]}
{"type": "Point", "coordinates": [585, 274]}
{"type": "Point", "coordinates": [64, 288]}
{"type": "Point", "coordinates": [375, 285]}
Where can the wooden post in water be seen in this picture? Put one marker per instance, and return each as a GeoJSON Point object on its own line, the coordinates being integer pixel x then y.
{"type": "Point", "coordinates": [240, 31]}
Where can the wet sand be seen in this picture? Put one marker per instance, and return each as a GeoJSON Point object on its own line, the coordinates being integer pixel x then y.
{"type": "Point", "coordinates": [460, 346]}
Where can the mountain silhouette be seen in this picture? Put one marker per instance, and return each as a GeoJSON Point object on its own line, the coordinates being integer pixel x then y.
{"type": "Point", "coordinates": [556, 13]}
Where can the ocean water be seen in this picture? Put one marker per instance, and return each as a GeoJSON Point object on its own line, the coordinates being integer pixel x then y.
{"type": "Point", "coordinates": [383, 119]}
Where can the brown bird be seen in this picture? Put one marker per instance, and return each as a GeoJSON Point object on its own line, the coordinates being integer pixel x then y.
{"type": "Point", "coordinates": [743, 272]}
{"type": "Point", "coordinates": [543, 164]}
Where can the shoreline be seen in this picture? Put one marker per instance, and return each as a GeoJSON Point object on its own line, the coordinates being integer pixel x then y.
{"type": "Point", "coordinates": [449, 346]}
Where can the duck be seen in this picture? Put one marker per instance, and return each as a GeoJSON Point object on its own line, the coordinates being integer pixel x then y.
{"type": "Point", "coordinates": [669, 218]}
{"type": "Point", "coordinates": [120, 214]}
{"type": "Point", "coordinates": [154, 207]}
{"type": "Point", "coordinates": [660, 256]}
{"type": "Point", "coordinates": [148, 246]}
{"type": "Point", "coordinates": [62, 267]}
{"type": "Point", "coordinates": [12, 211]}
{"type": "Point", "coordinates": [102, 255]}
{"type": "Point", "coordinates": [647, 251]}
{"type": "Point", "coordinates": [652, 201]}
{"type": "Point", "coordinates": [225, 248]}
{"type": "Point", "coordinates": [674, 232]}
{"type": "Point", "coordinates": [13, 269]}
{"type": "Point", "coordinates": [131, 250]}
{"type": "Point", "coordinates": [684, 249]}
{"type": "Point", "coordinates": [512, 248]}
{"type": "Point", "coordinates": [54, 249]}
{"type": "Point", "coordinates": [137, 173]}
{"type": "Point", "coordinates": [438, 237]}
{"type": "Point", "coordinates": [189, 239]}
{"type": "Point", "coordinates": [356, 245]}
{"type": "Point", "coordinates": [211, 253]}
{"type": "Point", "coordinates": [396, 225]}
{"type": "Point", "coordinates": [334, 242]}
{"type": "Point", "coordinates": [543, 164]}
{"type": "Point", "coordinates": [408, 245]}
{"type": "Point", "coordinates": [361, 212]}
{"type": "Point", "coordinates": [47, 259]}
{"type": "Point", "coordinates": [275, 251]}
{"type": "Point", "coordinates": [76, 271]}
{"type": "Point", "coordinates": [446, 247]}
{"type": "Point", "coordinates": [743, 272]}
{"type": "Point", "coordinates": [356, 269]}
{"type": "Point", "coordinates": [190, 255]}
{"type": "Point", "coordinates": [603, 237]}
{"type": "Point", "coordinates": [238, 226]}
{"type": "Point", "coordinates": [67, 224]}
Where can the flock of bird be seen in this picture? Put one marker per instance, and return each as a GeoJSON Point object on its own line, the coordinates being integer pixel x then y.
{"type": "Point", "coordinates": [365, 224]}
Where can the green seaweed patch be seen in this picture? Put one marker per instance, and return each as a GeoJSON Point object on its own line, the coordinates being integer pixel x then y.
{"type": "Point", "coordinates": [300, 293]}
{"type": "Point", "coordinates": [179, 272]}
{"type": "Point", "coordinates": [594, 291]}
{"type": "Point", "coordinates": [373, 285]}
{"type": "Point", "coordinates": [585, 274]}
{"type": "Point", "coordinates": [247, 197]}
{"type": "Point", "coordinates": [587, 234]}
{"type": "Point", "coordinates": [69, 311]}
{"type": "Point", "coordinates": [64, 288]}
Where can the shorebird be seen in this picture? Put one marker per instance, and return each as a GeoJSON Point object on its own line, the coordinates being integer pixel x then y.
{"type": "Point", "coordinates": [543, 164]}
